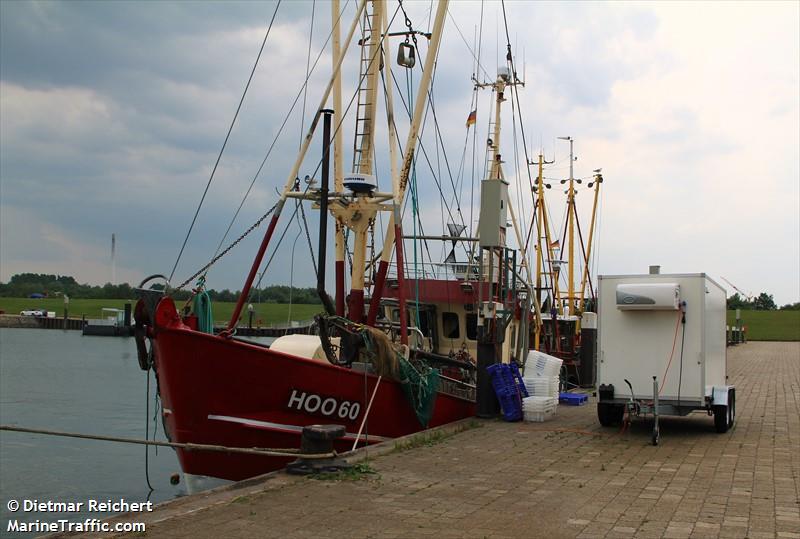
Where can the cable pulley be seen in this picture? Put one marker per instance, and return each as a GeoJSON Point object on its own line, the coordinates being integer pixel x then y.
{"type": "Point", "coordinates": [406, 55]}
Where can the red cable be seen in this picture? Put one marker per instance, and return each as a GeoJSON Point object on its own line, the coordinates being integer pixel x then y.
{"type": "Point", "coordinates": [671, 354]}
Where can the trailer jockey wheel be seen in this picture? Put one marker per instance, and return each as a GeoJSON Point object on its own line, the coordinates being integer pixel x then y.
{"type": "Point", "coordinates": [656, 436]}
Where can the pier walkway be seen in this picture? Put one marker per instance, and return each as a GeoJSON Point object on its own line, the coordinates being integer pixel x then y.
{"type": "Point", "coordinates": [567, 477]}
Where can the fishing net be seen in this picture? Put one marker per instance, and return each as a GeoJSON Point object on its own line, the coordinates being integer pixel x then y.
{"type": "Point", "coordinates": [202, 308]}
{"type": "Point", "coordinates": [419, 381]}
{"type": "Point", "coordinates": [420, 386]}
{"type": "Point", "coordinates": [384, 357]}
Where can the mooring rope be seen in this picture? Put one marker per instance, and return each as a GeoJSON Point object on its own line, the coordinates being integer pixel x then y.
{"type": "Point", "coordinates": [264, 451]}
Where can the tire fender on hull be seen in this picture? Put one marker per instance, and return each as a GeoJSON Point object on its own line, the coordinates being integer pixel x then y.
{"type": "Point", "coordinates": [140, 336]}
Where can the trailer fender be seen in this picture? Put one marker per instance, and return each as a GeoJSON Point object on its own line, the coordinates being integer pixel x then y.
{"type": "Point", "coordinates": [719, 395]}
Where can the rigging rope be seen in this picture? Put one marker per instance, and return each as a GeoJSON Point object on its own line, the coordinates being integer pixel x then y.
{"type": "Point", "coordinates": [147, 433]}
{"type": "Point", "coordinates": [225, 142]}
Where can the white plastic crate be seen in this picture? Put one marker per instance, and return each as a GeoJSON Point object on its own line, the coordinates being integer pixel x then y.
{"type": "Point", "coordinates": [542, 386]}
{"type": "Point", "coordinates": [538, 417]}
{"type": "Point", "coordinates": [541, 364]}
{"type": "Point", "coordinates": [538, 409]}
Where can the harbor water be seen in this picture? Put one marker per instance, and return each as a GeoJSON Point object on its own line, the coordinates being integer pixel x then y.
{"type": "Point", "coordinates": [61, 380]}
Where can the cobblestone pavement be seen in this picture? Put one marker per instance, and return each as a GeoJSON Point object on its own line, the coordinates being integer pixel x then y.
{"type": "Point", "coordinates": [567, 477]}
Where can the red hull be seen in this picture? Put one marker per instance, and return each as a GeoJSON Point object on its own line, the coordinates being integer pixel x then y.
{"type": "Point", "coordinates": [222, 391]}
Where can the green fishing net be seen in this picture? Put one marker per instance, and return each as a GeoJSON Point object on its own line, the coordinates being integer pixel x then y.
{"type": "Point", "coordinates": [420, 387]}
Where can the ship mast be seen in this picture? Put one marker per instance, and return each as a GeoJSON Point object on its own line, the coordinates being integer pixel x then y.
{"type": "Point", "coordinates": [338, 169]}
{"type": "Point", "coordinates": [543, 250]}
{"type": "Point", "coordinates": [360, 220]}
{"type": "Point", "coordinates": [597, 180]}
{"type": "Point", "coordinates": [493, 316]}
{"type": "Point", "coordinates": [570, 304]}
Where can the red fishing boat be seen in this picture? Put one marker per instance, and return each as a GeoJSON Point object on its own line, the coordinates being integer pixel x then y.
{"type": "Point", "coordinates": [394, 363]}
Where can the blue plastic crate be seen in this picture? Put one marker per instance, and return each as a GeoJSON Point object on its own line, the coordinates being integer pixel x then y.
{"type": "Point", "coordinates": [574, 399]}
{"type": "Point", "coordinates": [509, 388]}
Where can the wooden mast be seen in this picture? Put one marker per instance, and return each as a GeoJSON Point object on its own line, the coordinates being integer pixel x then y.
{"type": "Point", "coordinates": [338, 170]}
{"type": "Point", "coordinates": [360, 222]}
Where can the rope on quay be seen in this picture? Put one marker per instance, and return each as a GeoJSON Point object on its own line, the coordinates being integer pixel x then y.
{"type": "Point", "coordinates": [269, 452]}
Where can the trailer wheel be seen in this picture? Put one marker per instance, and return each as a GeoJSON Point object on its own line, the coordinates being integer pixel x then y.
{"type": "Point", "coordinates": [610, 414]}
{"type": "Point", "coordinates": [731, 407]}
{"type": "Point", "coordinates": [721, 418]}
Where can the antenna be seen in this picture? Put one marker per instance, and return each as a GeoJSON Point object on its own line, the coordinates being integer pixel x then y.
{"type": "Point", "coordinates": [113, 261]}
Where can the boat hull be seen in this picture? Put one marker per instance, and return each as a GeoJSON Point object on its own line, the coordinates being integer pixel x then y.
{"type": "Point", "coordinates": [222, 391]}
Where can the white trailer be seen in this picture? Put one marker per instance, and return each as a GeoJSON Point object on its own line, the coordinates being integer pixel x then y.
{"type": "Point", "coordinates": [662, 349]}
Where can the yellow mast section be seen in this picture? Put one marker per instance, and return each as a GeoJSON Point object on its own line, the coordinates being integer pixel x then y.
{"type": "Point", "coordinates": [598, 179]}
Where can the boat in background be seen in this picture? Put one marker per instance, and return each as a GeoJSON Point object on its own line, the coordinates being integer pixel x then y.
{"type": "Point", "coordinates": [113, 323]}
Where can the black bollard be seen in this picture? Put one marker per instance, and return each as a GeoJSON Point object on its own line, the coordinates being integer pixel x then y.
{"type": "Point", "coordinates": [318, 439]}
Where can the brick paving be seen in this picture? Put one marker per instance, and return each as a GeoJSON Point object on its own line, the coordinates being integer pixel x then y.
{"type": "Point", "coordinates": [567, 477]}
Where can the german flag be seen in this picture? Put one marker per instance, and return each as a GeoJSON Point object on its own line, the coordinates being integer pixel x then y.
{"type": "Point", "coordinates": [472, 118]}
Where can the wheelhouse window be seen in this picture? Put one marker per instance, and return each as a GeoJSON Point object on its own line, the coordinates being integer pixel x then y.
{"type": "Point", "coordinates": [472, 326]}
{"type": "Point", "coordinates": [450, 328]}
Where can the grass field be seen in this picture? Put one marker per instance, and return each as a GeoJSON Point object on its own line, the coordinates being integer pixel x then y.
{"type": "Point", "coordinates": [769, 325]}
{"type": "Point", "coordinates": [263, 314]}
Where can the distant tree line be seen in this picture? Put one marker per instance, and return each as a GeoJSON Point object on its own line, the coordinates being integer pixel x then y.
{"type": "Point", "coordinates": [762, 302]}
{"type": "Point", "coordinates": [23, 285]}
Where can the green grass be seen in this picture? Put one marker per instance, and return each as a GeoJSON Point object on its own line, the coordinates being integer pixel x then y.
{"type": "Point", "coordinates": [263, 313]}
{"type": "Point", "coordinates": [761, 325]}
{"type": "Point", "coordinates": [769, 325]}
{"type": "Point", "coordinates": [357, 472]}
{"type": "Point", "coordinates": [431, 438]}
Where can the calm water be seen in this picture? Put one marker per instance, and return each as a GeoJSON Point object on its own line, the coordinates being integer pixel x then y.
{"type": "Point", "coordinates": [61, 380]}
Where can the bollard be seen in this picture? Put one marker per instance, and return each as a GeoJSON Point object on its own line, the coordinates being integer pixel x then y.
{"type": "Point", "coordinates": [318, 439]}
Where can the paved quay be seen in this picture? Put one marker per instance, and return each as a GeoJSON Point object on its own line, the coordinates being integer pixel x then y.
{"type": "Point", "coordinates": [567, 477]}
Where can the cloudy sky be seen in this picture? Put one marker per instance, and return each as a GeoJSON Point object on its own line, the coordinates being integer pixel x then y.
{"type": "Point", "coordinates": [112, 115]}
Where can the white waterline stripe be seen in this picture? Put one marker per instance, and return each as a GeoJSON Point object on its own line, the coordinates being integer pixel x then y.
{"type": "Point", "coordinates": [288, 428]}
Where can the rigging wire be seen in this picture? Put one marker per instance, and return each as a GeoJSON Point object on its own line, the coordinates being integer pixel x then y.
{"type": "Point", "coordinates": [475, 135]}
{"type": "Point", "coordinates": [308, 237]}
{"type": "Point", "coordinates": [471, 51]}
{"type": "Point", "coordinates": [274, 251]}
{"type": "Point", "coordinates": [225, 142]}
{"type": "Point", "coordinates": [308, 63]}
{"type": "Point", "coordinates": [263, 162]}
{"type": "Point", "coordinates": [302, 121]}
{"type": "Point", "coordinates": [515, 93]}
{"type": "Point", "coordinates": [278, 134]}
{"type": "Point", "coordinates": [424, 151]}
